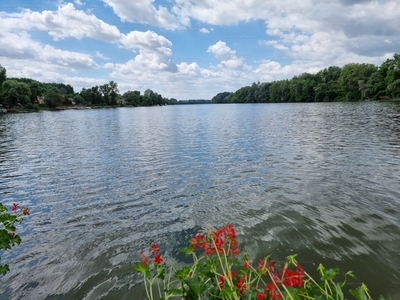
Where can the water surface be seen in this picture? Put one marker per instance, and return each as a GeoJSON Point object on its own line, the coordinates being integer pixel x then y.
{"type": "Point", "coordinates": [321, 180]}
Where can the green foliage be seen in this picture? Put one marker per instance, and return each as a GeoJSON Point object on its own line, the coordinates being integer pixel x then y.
{"type": "Point", "coordinates": [78, 99]}
{"type": "Point", "coordinates": [394, 88]}
{"type": "Point", "coordinates": [3, 77]}
{"type": "Point", "coordinates": [132, 98]}
{"type": "Point", "coordinates": [218, 272]}
{"type": "Point", "coordinates": [15, 92]}
{"type": "Point", "coordinates": [53, 98]}
{"type": "Point", "coordinates": [353, 82]}
{"type": "Point", "coordinates": [8, 237]}
{"type": "Point", "coordinates": [221, 98]}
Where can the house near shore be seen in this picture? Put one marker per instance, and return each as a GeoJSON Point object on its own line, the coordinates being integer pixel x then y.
{"type": "Point", "coordinates": [40, 100]}
{"type": "Point", "coordinates": [121, 101]}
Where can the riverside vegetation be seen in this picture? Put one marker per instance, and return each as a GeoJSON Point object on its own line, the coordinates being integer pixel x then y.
{"type": "Point", "coordinates": [351, 82]}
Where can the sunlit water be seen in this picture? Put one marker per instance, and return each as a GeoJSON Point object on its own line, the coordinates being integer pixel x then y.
{"type": "Point", "coordinates": [320, 180]}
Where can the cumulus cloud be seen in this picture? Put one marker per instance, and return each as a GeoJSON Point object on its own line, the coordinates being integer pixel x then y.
{"type": "Point", "coordinates": [143, 11]}
{"type": "Point", "coordinates": [66, 21]}
{"type": "Point", "coordinates": [21, 46]}
{"type": "Point", "coordinates": [148, 40]}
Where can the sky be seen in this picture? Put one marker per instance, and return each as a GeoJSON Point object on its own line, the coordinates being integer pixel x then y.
{"type": "Point", "coordinates": [191, 49]}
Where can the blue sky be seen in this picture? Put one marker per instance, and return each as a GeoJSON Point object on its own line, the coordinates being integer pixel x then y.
{"type": "Point", "coordinates": [190, 49]}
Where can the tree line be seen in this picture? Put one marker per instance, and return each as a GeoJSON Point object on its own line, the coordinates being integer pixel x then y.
{"type": "Point", "coordinates": [352, 82]}
{"type": "Point", "coordinates": [31, 94]}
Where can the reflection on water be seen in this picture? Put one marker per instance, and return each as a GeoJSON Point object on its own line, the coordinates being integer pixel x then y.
{"type": "Point", "coordinates": [321, 180]}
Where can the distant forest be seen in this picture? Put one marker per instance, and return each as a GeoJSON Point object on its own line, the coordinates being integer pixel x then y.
{"type": "Point", "coordinates": [353, 82]}
{"type": "Point", "coordinates": [27, 93]}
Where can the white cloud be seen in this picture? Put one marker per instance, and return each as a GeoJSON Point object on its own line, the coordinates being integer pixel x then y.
{"type": "Point", "coordinates": [21, 46]}
{"type": "Point", "coordinates": [78, 2]}
{"type": "Point", "coordinates": [143, 11]}
{"type": "Point", "coordinates": [66, 21]}
{"type": "Point", "coordinates": [221, 50]}
{"type": "Point", "coordinates": [101, 55]}
{"type": "Point", "coordinates": [147, 40]}
{"type": "Point", "coordinates": [204, 30]}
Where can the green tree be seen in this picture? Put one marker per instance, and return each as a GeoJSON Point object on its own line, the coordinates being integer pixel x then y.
{"type": "Point", "coordinates": [394, 88]}
{"type": "Point", "coordinates": [78, 99]}
{"type": "Point", "coordinates": [15, 92]}
{"type": "Point", "coordinates": [113, 92]}
{"type": "Point", "coordinates": [132, 97]}
{"type": "Point", "coordinates": [53, 98]}
{"type": "Point", "coordinates": [353, 78]}
{"type": "Point", "coordinates": [280, 91]}
{"type": "Point", "coordinates": [3, 77]}
{"type": "Point", "coordinates": [221, 98]}
{"type": "Point", "coordinates": [376, 85]}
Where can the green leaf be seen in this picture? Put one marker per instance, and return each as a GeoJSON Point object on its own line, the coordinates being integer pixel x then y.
{"type": "Point", "coordinates": [176, 292]}
{"type": "Point", "coordinates": [359, 293]}
{"type": "Point", "coordinates": [330, 274]}
{"type": "Point", "coordinates": [142, 269]}
{"type": "Point", "coordinates": [4, 269]}
{"type": "Point", "coordinates": [196, 285]}
{"type": "Point", "coordinates": [160, 272]}
{"type": "Point", "coordinates": [183, 273]}
{"type": "Point", "coordinates": [339, 292]}
{"type": "Point", "coordinates": [294, 293]}
{"type": "Point", "coordinates": [186, 250]}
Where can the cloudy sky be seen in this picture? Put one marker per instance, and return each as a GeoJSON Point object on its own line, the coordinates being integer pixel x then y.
{"type": "Point", "coordinates": [191, 49]}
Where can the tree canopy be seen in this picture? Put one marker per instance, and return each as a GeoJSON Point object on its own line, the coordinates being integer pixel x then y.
{"type": "Point", "coordinates": [352, 82]}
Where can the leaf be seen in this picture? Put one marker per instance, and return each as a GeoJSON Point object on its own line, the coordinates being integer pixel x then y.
{"type": "Point", "coordinates": [186, 250]}
{"type": "Point", "coordinates": [160, 272]}
{"type": "Point", "coordinates": [142, 269]}
{"type": "Point", "coordinates": [175, 292]}
{"type": "Point", "coordinates": [294, 293]}
{"type": "Point", "coordinates": [183, 273]}
{"type": "Point", "coordinates": [339, 292]}
{"type": "Point", "coordinates": [330, 274]}
{"type": "Point", "coordinates": [196, 285]}
{"type": "Point", "coordinates": [359, 293]}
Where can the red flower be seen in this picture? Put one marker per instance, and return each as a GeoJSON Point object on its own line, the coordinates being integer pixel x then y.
{"type": "Point", "coordinates": [240, 284]}
{"type": "Point", "coordinates": [12, 234]}
{"type": "Point", "coordinates": [247, 264]}
{"type": "Point", "coordinates": [15, 206]}
{"type": "Point", "coordinates": [273, 293]}
{"type": "Point", "coordinates": [154, 248]}
{"type": "Point", "coordinates": [262, 264]}
{"type": "Point", "coordinates": [25, 211]}
{"type": "Point", "coordinates": [145, 258]}
{"type": "Point", "coordinates": [158, 259]}
{"type": "Point", "coordinates": [261, 296]}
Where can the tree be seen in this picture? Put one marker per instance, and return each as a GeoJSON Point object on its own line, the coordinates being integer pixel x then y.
{"type": "Point", "coordinates": [3, 77]}
{"type": "Point", "coordinates": [353, 78]}
{"type": "Point", "coordinates": [113, 92]}
{"type": "Point", "coordinates": [132, 97]}
{"type": "Point", "coordinates": [15, 92]}
{"type": "Point", "coordinates": [53, 98]}
{"type": "Point", "coordinates": [78, 99]}
{"type": "Point", "coordinates": [221, 97]}
{"type": "Point", "coordinates": [394, 88]}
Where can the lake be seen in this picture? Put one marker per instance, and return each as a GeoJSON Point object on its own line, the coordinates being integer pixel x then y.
{"type": "Point", "coordinates": [321, 180]}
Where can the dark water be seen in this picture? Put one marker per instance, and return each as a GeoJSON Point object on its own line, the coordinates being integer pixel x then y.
{"type": "Point", "coordinates": [320, 180]}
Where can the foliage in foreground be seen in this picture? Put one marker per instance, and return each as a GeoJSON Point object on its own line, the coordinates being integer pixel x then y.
{"type": "Point", "coordinates": [219, 271]}
{"type": "Point", "coordinates": [8, 236]}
